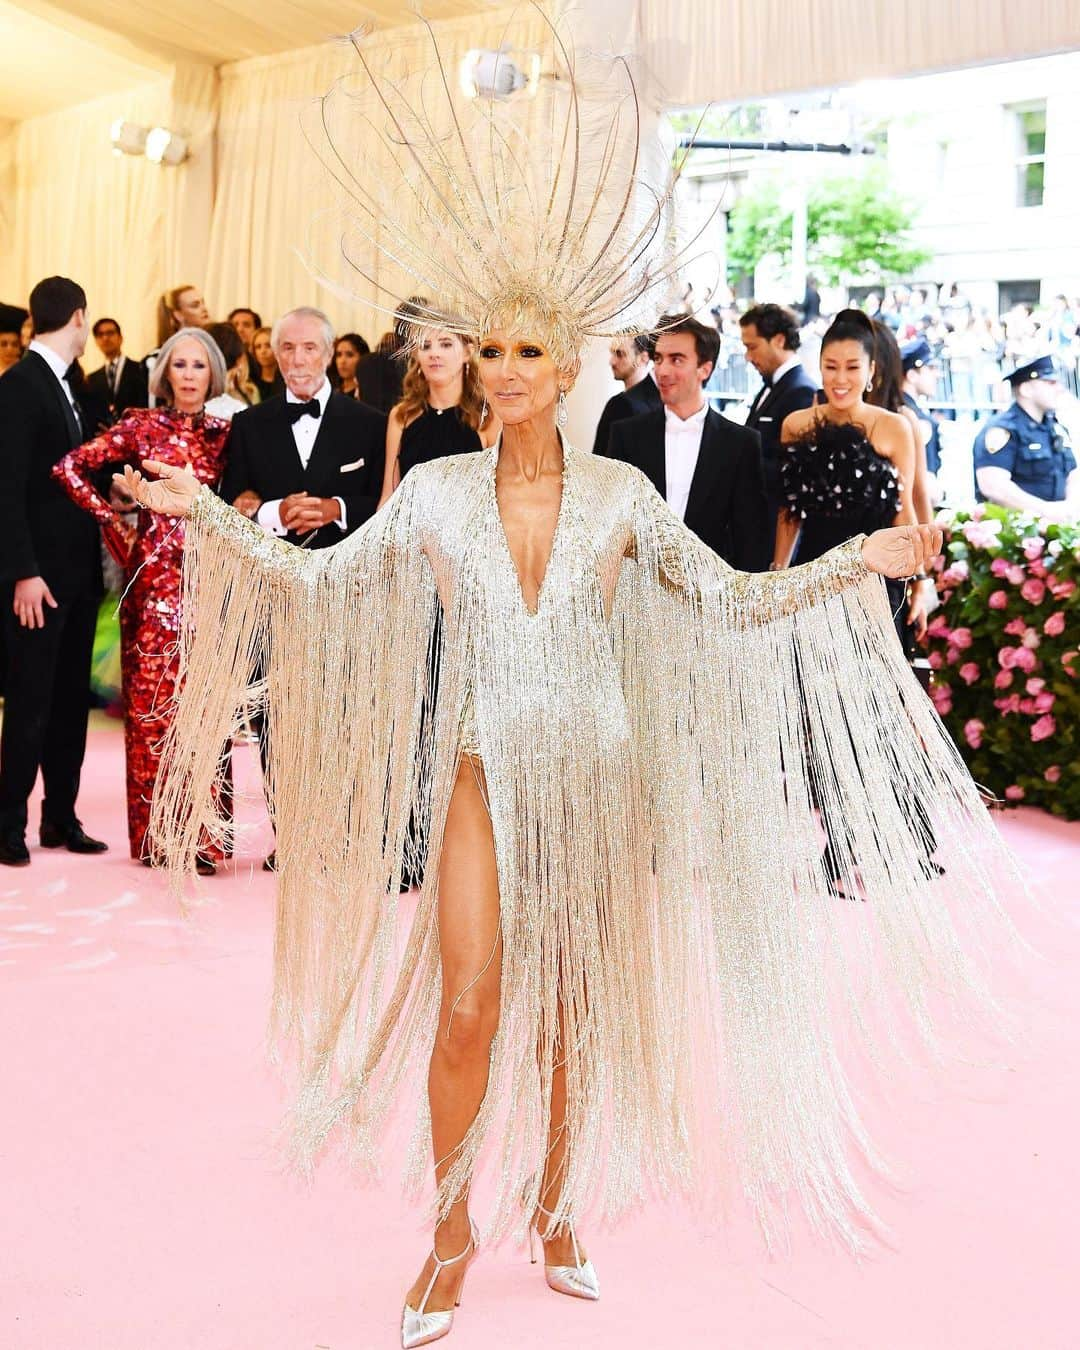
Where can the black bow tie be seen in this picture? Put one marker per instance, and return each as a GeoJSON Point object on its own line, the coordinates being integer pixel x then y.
{"type": "Point", "coordinates": [297, 410]}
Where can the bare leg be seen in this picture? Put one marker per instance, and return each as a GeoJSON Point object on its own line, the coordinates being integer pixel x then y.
{"type": "Point", "coordinates": [559, 1248]}
{"type": "Point", "coordinates": [470, 946]}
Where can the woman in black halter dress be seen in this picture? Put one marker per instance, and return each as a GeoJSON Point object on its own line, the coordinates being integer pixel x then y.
{"type": "Point", "coordinates": [442, 409]}
{"type": "Point", "coordinates": [442, 412]}
{"type": "Point", "coordinates": [848, 468]}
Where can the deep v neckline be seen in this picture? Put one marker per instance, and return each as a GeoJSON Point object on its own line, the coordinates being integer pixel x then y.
{"type": "Point", "coordinates": [501, 529]}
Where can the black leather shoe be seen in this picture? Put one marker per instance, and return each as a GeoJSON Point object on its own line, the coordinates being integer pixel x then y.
{"type": "Point", "coordinates": [74, 838]}
{"type": "Point", "coordinates": [270, 862]}
{"type": "Point", "coordinates": [13, 850]}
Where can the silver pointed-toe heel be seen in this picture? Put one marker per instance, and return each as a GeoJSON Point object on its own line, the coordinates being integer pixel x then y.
{"type": "Point", "coordinates": [580, 1279]}
{"type": "Point", "coordinates": [420, 1327]}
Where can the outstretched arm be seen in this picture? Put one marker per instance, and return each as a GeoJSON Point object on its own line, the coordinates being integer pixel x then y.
{"type": "Point", "coordinates": [684, 563]}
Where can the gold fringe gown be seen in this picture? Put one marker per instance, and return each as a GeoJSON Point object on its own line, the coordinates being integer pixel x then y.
{"type": "Point", "coordinates": [656, 739]}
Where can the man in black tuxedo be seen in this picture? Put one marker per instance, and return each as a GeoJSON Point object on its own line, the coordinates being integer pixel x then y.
{"type": "Point", "coordinates": [630, 360]}
{"type": "Point", "coordinates": [770, 334]}
{"type": "Point", "coordinates": [120, 383]}
{"type": "Point", "coordinates": [50, 581]}
{"type": "Point", "coordinates": [707, 468]}
{"type": "Point", "coordinates": [307, 464]}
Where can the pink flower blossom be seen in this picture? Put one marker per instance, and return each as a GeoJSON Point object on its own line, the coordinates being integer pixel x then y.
{"type": "Point", "coordinates": [998, 600]}
{"type": "Point", "coordinates": [969, 672]}
{"type": "Point", "coordinates": [999, 567]}
{"type": "Point", "coordinates": [973, 730]}
{"type": "Point", "coordinates": [1027, 706]}
{"type": "Point", "coordinates": [1025, 660]}
{"type": "Point", "coordinates": [938, 626]}
{"type": "Point", "coordinates": [957, 572]}
{"type": "Point", "coordinates": [936, 660]}
{"type": "Point", "coordinates": [978, 511]}
{"type": "Point", "coordinates": [1053, 773]}
{"type": "Point", "coordinates": [1061, 590]}
{"type": "Point", "coordinates": [1053, 627]}
{"type": "Point", "coordinates": [1030, 639]}
{"type": "Point", "coordinates": [1014, 793]}
{"type": "Point", "coordinates": [1044, 701]}
{"type": "Point", "coordinates": [1037, 568]}
{"type": "Point", "coordinates": [941, 695]}
{"type": "Point", "coordinates": [1035, 685]}
{"type": "Point", "coordinates": [1015, 574]}
{"type": "Point", "coordinates": [1016, 628]}
{"type": "Point", "coordinates": [1007, 657]}
{"type": "Point", "coordinates": [1043, 729]}
{"type": "Point", "coordinates": [952, 654]}
{"type": "Point", "coordinates": [1011, 704]}
{"type": "Point", "coordinates": [982, 533]}
{"type": "Point", "coordinates": [1033, 547]}
{"type": "Point", "coordinates": [1003, 679]}
{"type": "Point", "coordinates": [961, 638]}
{"type": "Point", "coordinates": [1033, 590]}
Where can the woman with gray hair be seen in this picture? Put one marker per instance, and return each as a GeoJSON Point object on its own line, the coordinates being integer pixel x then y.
{"type": "Point", "coordinates": [189, 370]}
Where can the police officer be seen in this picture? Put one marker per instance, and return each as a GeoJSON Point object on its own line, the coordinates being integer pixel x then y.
{"type": "Point", "coordinates": [921, 374]}
{"type": "Point", "coordinates": [1023, 459]}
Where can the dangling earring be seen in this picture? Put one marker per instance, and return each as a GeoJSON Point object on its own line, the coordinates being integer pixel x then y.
{"type": "Point", "coordinates": [483, 413]}
{"type": "Point", "coordinates": [869, 385]}
{"type": "Point", "coordinates": [562, 415]}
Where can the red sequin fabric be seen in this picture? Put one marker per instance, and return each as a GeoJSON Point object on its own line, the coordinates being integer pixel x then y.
{"type": "Point", "coordinates": [150, 610]}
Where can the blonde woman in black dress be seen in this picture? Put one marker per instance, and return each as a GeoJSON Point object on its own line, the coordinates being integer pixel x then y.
{"type": "Point", "coordinates": [442, 409]}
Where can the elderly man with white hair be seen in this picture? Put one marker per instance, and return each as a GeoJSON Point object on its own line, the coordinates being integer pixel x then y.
{"type": "Point", "coordinates": [307, 464]}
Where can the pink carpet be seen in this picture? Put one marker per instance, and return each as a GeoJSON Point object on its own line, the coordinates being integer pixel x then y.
{"type": "Point", "coordinates": [141, 1208]}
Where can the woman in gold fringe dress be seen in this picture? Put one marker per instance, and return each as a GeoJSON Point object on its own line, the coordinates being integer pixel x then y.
{"type": "Point", "coordinates": [624, 967]}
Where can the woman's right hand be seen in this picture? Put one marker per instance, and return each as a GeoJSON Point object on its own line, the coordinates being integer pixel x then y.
{"type": "Point", "coordinates": [172, 494]}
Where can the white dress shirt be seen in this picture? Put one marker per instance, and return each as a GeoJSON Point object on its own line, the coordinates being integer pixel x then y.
{"type": "Point", "coordinates": [59, 369]}
{"type": "Point", "coordinates": [781, 370]}
{"type": "Point", "coordinates": [682, 445]}
{"type": "Point", "coordinates": [304, 431]}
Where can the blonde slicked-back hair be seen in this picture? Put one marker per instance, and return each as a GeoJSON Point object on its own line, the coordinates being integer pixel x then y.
{"type": "Point", "coordinates": [526, 212]}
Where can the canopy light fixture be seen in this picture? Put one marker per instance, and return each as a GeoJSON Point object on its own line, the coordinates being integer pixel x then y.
{"type": "Point", "coordinates": [158, 144]}
{"type": "Point", "coordinates": [499, 74]}
{"type": "Point", "coordinates": [165, 147]}
{"type": "Point", "coordinates": [128, 138]}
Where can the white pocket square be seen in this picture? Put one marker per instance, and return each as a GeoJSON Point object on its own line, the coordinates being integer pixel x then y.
{"type": "Point", "coordinates": [356, 464]}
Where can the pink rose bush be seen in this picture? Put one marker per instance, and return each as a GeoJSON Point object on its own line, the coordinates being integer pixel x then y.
{"type": "Point", "coordinates": [1004, 653]}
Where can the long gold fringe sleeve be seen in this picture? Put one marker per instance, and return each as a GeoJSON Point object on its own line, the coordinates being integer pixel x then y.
{"type": "Point", "coordinates": [658, 738]}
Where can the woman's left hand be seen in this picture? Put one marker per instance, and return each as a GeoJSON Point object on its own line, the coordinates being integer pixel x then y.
{"type": "Point", "coordinates": [920, 602]}
{"type": "Point", "coordinates": [902, 551]}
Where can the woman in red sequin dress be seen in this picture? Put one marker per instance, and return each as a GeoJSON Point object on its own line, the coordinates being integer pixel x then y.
{"type": "Point", "coordinates": [189, 370]}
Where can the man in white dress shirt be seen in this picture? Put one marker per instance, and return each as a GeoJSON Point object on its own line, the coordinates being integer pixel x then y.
{"type": "Point", "coordinates": [306, 464]}
{"type": "Point", "coordinates": [120, 383]}
{"type": "Point", "coordinates": [708, 469]}
{"type": "Point", "coordinates": [50, 581]}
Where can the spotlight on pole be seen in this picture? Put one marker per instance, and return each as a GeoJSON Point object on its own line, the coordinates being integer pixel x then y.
{"type": "Point", "coordinates": [499, 74]}
{"type": "Point", "coordinates": [127, 138]}
{"type": "Point", "coordinates": [165, 147]}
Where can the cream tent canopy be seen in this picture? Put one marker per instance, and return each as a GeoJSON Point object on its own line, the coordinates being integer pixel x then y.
{"type": "Point", "coordinates": [233, 77]}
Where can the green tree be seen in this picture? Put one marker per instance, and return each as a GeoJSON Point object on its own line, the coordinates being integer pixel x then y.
{"type": "Point", "coordinates": [858, 231]}
{"type": "Point", "coordinates": [759, 226]}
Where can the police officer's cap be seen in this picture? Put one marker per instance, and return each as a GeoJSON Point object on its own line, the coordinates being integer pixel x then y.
{"type": "Point", "coordinates": [916, 354]}
{"type": "Point", "coordinates": [1042, 368]}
